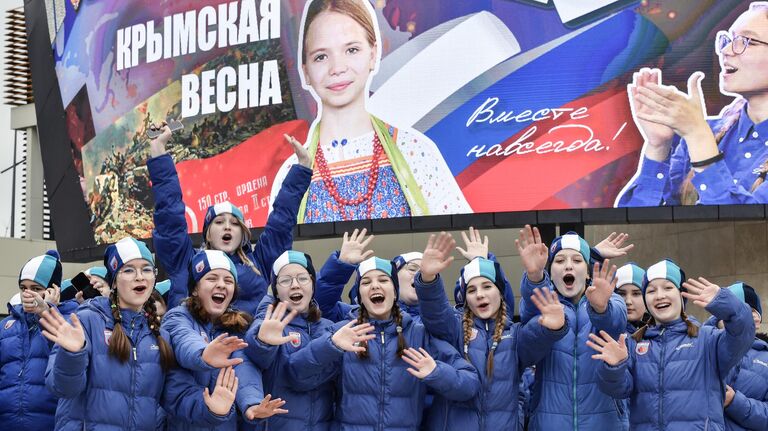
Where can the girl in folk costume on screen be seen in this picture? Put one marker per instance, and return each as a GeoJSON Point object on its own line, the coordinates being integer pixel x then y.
{"type": "Point", "coordinates": [362, 166]}
{"type": "Point", "coordinates": [224, 228]}
{"type": "Point", "coordinates": [109, 363]}
{"type": "Point", "coordinates": [723, 160]}
{"type": "Point", "coordinates": [671, 362]}
{"type": "Point", "coordinates": [204, 332]}
{"type": "Point", "coordinates": [274, 337]}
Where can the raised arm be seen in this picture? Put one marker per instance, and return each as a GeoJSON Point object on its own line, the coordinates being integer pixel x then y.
{"type": "Point", "coordinates": [438, 316]}
{"type": "Point", "coordinates": [607, 310]}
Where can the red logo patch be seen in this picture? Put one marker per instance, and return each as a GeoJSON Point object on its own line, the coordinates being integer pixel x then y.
{"type": "Point", "coordinates": [642, 347]}
{"type": "Point", "coordinates": [107, 336]}
{"type": "Point", "coordinates": [296, 338]}
{"type": "Point", "coordinates": [9, 323]}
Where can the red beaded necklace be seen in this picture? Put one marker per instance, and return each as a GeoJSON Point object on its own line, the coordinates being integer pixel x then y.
{"type": "Point", "coordinates": [373, 177]}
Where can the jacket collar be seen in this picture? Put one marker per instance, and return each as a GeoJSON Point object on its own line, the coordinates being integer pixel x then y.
{"type": "Point", "coordinates": [676, 326]}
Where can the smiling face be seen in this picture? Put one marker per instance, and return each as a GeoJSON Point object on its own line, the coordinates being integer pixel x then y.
{"type": "Point", "coordinates": [745, 74]}
{"type": "Point", "coordinates": [377, 294]}
{"type": "Point", "coordinates": [633, 297]}
{"type": "Point", "coordinates": [665, 303]}
{"type": "Point", "coordinates": [134, 283]}
{"type": "Point", "coordinates": [338, 59]}
{"type": "Point", "coordinates": [405, 278]}
{"type": "Point", "coordinates": [569, 273]}
{"type": "Point", "coordinates": [215, 291]}
{"type": "Point", "coordinates": [225, 233]}
{"type": "Point", "coordinates": [294, 287]}
{"type": "Point", "coordinates": [483, 297]}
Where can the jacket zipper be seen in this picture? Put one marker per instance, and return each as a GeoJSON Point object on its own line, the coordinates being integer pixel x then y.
{"type": "Point", "coordinates": [661, 378]}
{"type": "Point", "coordinates": [383, 379]}
{"type": "Point", "coordinates": [133, 374]}
{"type": "Point", "coordinates": [486, 385]}
{"type": "Point", "coordinates": [313, 394]}
{"type": "Point", "coordinates": [575, 382]}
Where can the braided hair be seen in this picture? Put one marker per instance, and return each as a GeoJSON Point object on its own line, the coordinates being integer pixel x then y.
{"type": "Point", "coordinates": [397, 317]}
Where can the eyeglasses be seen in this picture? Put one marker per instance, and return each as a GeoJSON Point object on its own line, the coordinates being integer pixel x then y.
{"type": "Point", "coordinates": [738, 43]}
{"type": "Point", "coordinates": [287, 280]}
{"type": "Point", "coordinates": [130, 272]}
{"type": "Point", "coordinates": [412, 267]}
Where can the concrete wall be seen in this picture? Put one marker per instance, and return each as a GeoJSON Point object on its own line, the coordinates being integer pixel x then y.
{"type": "Point", "coordinates": [723, 252]}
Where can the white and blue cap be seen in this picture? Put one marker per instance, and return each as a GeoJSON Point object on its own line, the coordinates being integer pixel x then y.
{"type": "Point", "coordinates": [123, 251]}
{"type": "Point", "coordinates": [480, 267]}
{"type": "Point", "coordinates": [206, 261]}
{"type": "Point", "coordinates": [630, 273]}
{"type": "Point", "coordinates": [383, 265]}
{"type": "Point", "coordinates": [98, 271]}
{"type": "Point", "coordinates": [163, 287]}
{"type": "Point", "coordinates": [569, 241]}
{"type": "Point", "coordinates": [667, 270]}
{"type": "Point", "coordinates": [219, 209]}
{"type": "Point", "coordinates": [44, 270]}
{"type": "Point", "coordinates": [401, 260]}
{"type": "Point", "coordinates": [747, 295]}
{"type": "Point", "coordinates": [287, 258]}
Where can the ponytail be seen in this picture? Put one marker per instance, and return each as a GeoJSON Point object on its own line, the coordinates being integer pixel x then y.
{"type": "Point", "coordinates": [167, 360]}
{"type": "Point", "coordinates": [467, 324]}
{"type": "Point", "coordinates": [730, 116]}
{"type": "Point", "coordinates": [501, 320]}
{"type": "Point", "coordinates": [362, 317]}
{"type": "Point", "coordinates": [398, 318]}
{"type": "Point", "coordinates": [119, 344]}
{"type": "Point", "coordinates": [232, 320]}
{"type": "Point", "coordinates": [693, 330]}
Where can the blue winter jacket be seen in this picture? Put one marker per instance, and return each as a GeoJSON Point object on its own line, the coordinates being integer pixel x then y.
{"type": "Point", "coordinates": [378, 393]}
{"type": "Point", "coordinates": [749, 380]}
{"type": "Point", "coordinates": [674, 381]}
{"type": "Point", "coordinates": [496, 405]}
{"type": "Point", "coordinates": [173, 245]}
{"type": "Point", "coordinates": [98, 392]}
{"type": "Point", "coordinates": [309, 402]}
{"type": "Point", "coordinates": [565, 393]}
{"type": "Point", "coordinates": [25, 402]}
{"type": "Point", "coordinates": [183, 396]}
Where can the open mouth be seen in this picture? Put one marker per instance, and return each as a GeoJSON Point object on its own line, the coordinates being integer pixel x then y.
{"type": "Point", "coordinates": [377, 298]}
{"type": "Point", "coordinates": [569, 280]}
{"type": "Point", "coordinates": [218, 298]}
{"type": "Point", "coordinates": [296, 297]}
{"type": "Point", "coordinates": [483, 307]}
{"type": "Point", "coordinates": [663, 306]}
{"type": "Point", "coordinates": [140, 289]}
{"type": "Point", "coordinates": [226, 237]}
{"type": "Point", "coordinates": [728, 69]}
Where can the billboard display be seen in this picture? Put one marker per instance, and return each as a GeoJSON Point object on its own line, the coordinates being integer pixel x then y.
{"type": "Point", "coordinates": [407, 107]}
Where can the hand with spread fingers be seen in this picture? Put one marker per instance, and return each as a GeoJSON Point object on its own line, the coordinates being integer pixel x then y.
{"type": "Point", "coordinates": [70, 336]}
{"type": "Point", "coordinates": [437, 256]}
{"type": "Point", "coordinates": [353, 247]}
{"type": "Point", "coordinates": [275, 321]}
{"type": "Point", "coordinates": [351, 337]}
{"type": "Point", "coordinates": [475, 244]}
{"type": "Point", "coordinates": [611, 247]}
{"type": "Point", "coordinates": [220, 401]}
{"type": "Point", "coordinates": [217, 353]}
{"type": "Point", "coordinates": [700, 291]}
{"type": "Point", "coordinates": [301, 153]}
{"type": "Point", "coordinates": [609, 350]}
{"type": "Point", "coordinates": [421, 363]}
{"type": "Point", "coordinates": [266, 408]}
{"type": "Point", "coordinates": [603, 285]}
{"type": "Point", "coordinates": [552, 314]}
{"type": "Point", "coordinates": [533, 253]}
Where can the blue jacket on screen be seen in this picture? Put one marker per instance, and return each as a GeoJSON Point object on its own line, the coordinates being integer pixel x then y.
{"type": "Point", "coordinates": [25, 402]}
{"type": "Point", "coordinates": [674, 381]}
{"type": "Point", "coordinates": [174, 247]}
{"type": "Point", "coordinates": [496, 405]}
{"type": "Point", "coordinates": [183, 396]}
{"type": "Point", "coordinates": [378, 393]}
{"type": "Point", "coordinates": [309, 402]}
{"type": "Point", "coordinates": [565, 393]}
{"type": "Point", "coordinates": [98, 392]}
{"type": "Point", "coordinates": [749, 380]}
